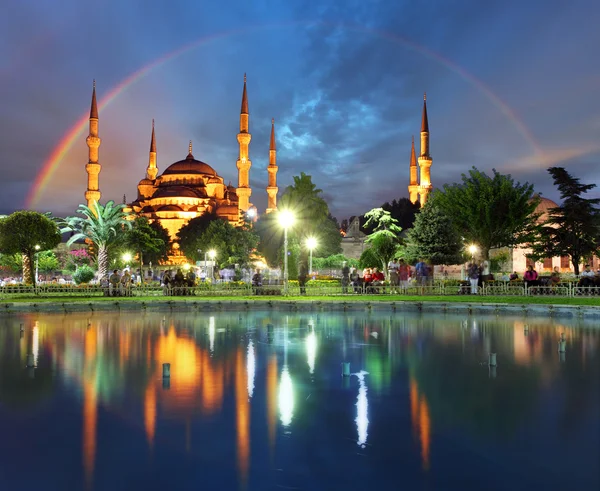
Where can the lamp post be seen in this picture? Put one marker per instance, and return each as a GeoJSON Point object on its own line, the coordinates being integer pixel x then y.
{"type": "Point", "coordinates": [37, 262]}
{"type": "Point", "coordinates": [311, 243]}
{"type": "Point", "coordinates": [286, 220]}
{"type": "Point", "coordinates": [212, 254]}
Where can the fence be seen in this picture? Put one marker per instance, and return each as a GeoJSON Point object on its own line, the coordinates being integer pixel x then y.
{"type": "Point", "coordinates": [244, 289]}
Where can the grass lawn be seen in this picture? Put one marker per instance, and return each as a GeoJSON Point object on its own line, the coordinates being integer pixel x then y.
{"type": "Point", "coordinates": [519, 300]}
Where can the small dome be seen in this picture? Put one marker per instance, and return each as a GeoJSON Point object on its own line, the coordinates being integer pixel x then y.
{"type": "Point", "coordinates": [544, 208]}
{"type": "Point", "coordinates": [169, 208]}
{"type": "Point", "coordinates": [214, 180]}
{"type": "Point", "coordinates": [179, 192]}
{"type": "Point", "coordinates": [146, 182]}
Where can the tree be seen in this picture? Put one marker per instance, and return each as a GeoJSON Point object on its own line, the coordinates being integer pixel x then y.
{"type": "Point", "coordinates": [384, 239]}
{"type": "Point", "coordinates": [162, 254]}
{"type": "Point", "coordinates": [312, 216]}
{"type": "Point", "coordinates": [28, 232]}
{"type": "Point", "coordinates": [144, 240]}
{"type": "Point", "coordinates": [573, 228]}
{"type": "Point", "coordinates": [47, 262]}
{"type": "Point", "coordinates": [102, 225]}
{"type": "Point", "coordinates": [312, 219]}
{"type": "Point", "coordinates": [233, 245]}
{"type": "Point", "coordinates": [189, 233]}
{"type": "Point", "coordinates": [490, 211]}
{"type": "Point", "coordinates": [433, 238]}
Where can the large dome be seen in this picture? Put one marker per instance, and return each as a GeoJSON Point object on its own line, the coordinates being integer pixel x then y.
{"type": "Point", "coordinates": [544, 207]}
{"type": "Point", "coordinates": [189, 166]}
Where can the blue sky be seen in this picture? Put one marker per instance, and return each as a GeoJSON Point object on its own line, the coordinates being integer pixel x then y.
{"type": "Point", "coordinates": [344, 81]}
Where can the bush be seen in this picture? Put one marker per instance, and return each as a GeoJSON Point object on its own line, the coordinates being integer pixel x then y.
{"type": "Point", "coordinates": [83, 274]}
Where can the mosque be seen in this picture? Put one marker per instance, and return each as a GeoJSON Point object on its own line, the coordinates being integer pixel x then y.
{"type": "Point", "coordinates": [190, 187]}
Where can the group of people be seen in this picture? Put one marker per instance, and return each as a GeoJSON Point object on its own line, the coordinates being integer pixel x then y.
{"type": "Point", "coordinates": [178, 282]}
{"type": "Point", "coordinates": [119, 285]}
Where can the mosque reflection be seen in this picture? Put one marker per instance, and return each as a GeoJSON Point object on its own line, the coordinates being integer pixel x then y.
{"type": "Point", "coordinates": [278, 362]}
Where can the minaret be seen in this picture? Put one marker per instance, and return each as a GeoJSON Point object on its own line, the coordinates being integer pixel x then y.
{"type": "Point", "coordinates": [243, 164]}
{"type": "Point", "coordinates": [413, 187]}
{"type": "Point", "coordinates": [152, 169]}
{"type": "Point", "coordinates": [93, 167]}
{"type": "Point", "coordinates": [272, 169]}
{"type": "Point", "coordinates": [425, 158]}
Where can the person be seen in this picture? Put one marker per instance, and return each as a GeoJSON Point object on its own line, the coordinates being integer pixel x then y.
{"type": "Point", "coordinates": [126, 283]}
{"type": "Point", "coordinates": [378, 281]}
{"type": "Point", "coordinates": [421, 272]}
{"type": "Point", "coordinates": [473, 274]}
{"type": "Point", "coordinates": [555, 277]}
{"type": "Point", "coordinates": [345, 276]}
{"type": "Point", "coordinates": [105, 285]}
{"type": "Point", "coordinates": [393, 268]}
{"type": "Point", "coordinates": [256, 281]}
{"type": "Point", "coordinates": [202, 275]}
{"type": "Point", "coordinates": [367, 279]}
{"type": "Point", "coordinates": [514, 276]}
{"type": "Point", "coordinates": [403, 273]}
{"type": "Point", "coordinates": [302, 276]}
{"type": "Point", "coordinates": [530, 277]}
{"type": "Point", "coordinates": [190, 279]}
{"type": "Point", "coordinates": [114, 280]}
{"type": "Point", "coordinates": [586, 277]}
{"type": "Point", "coordinates": [167, 282]}
{"type": "Point", "coordinates": [178, 282]}
{"type": "Point", "coordinates": [355, 280]}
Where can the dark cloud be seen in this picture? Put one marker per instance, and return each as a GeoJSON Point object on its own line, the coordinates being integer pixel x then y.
{"type": "Point", "coordinates": [511, 86]}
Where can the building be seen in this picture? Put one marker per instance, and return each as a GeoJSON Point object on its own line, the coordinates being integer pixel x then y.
{"type": "Point", "coordinates": [420, 179]}
{"type": "Point", "coordinates": [353, 242]}
{"type": "Point", "coordinates": [188, 188]}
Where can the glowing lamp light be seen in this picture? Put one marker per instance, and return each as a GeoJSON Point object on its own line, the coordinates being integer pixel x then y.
{"type": "Point", "coordinates": [186, 267]}
{"type": "Point", "coordinates": [311, 243]}
{"type": "Point", "coordinates": [127, 257]}
{"type": "Point", "coordinates": [251, 213]}
{"type": "Point", "coordinates": [286, 398]}
{"type": "Point", "coordinates": [286, 218]}
{"type": "Point", "coordinates": [212, 253]}
{"type": "Point", "coordinates": [472, 249]}
{"type": "Point", "coordinates": [37, 247]}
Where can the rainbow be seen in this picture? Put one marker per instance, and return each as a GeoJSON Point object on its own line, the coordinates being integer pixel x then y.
{"type": "Point", "coordinates": [75, 133]}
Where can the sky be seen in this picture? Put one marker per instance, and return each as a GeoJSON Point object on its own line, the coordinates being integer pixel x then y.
{"type": "Point", "coordinates": [511, 85]}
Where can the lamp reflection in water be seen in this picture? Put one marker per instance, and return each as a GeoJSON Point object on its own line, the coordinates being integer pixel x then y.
{"type": "Point", "coordinates": [35, 342]}
{"type": "Point", "coordinates": [211, 334]}
{"type": "Point", "coordinates": [250, 368]}
{"type": "Point", "coordinates": [311, 350]}
{"type": "Point", "coordinates": [286, 397]}
{"type": "Point", "coordinates": [362, 410]}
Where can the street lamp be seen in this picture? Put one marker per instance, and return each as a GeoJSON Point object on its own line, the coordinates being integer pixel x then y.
{"type": "Point", "coordinates": [311, 243]}
{"type": "Point", "coordinates": [472, 250]}
{"type": "Point", "coordinates": [286, 220]}
{"type": "Point", "coordinates": [212, 254]}
{"type": "Point", "coordinates": [37, 262]}
{"type": "Point", "coordinates": [127, 257]}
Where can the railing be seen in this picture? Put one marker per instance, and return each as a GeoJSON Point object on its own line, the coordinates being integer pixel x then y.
{"type": "Point", "coordinates": [242, 289]}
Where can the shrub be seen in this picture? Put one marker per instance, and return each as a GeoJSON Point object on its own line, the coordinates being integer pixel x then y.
{"type": "Point", "coordinates": [83, 274]}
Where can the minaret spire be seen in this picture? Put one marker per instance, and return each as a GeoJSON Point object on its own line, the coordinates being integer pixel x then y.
{"type": "Point", "coordinates": [272, 188]}
{"type": "Point", "coordinates": [413, 187]}
{"type": "Point", "coordinates": [425, 159]}
{"type": "Point", "coordinates": [243, 163]}
{"type": "Point", "coordinates": [152, 169]}
{"type": "Point", "coordinates": [93, 168]}
{"type": "Point", "coordinates": [190, 155]}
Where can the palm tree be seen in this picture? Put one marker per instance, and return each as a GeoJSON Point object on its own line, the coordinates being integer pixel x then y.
{"type": "Point", "coordinates": [101, 226]}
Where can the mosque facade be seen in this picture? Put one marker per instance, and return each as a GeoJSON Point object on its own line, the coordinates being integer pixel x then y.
{"type": "Point", "coordinates": [188, 188]}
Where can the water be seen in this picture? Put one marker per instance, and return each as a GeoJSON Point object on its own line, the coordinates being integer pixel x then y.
{"type": "Point", "coordinates": [257, 402]}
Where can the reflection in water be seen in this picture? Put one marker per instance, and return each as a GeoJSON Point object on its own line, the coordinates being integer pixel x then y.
{"type": "Point", "coordinates": [250, 368]}
{"type": "Point", "coordinates": [90, 404]}
{"type": "Point", "coordinates": [215, 383]}
{"type": "Point", "coordinates": [242, 417]}
{"type": "Point", "coordinates": [311, 350]}
{"type": "Point", "coordinates": [421, 423]}
{"type": "Point", "coordinates": [35, 342]}
{"type": "Point", "coordinates": [272, 399]}
{"type": "Point", "coordinates": [362, 409]}
{"type": "Point", "coordinates": [150, 412]}
{"type": "Point", "coordinates": [211, 333]}
{"type": "Point", "coordinates": [286, 397]}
